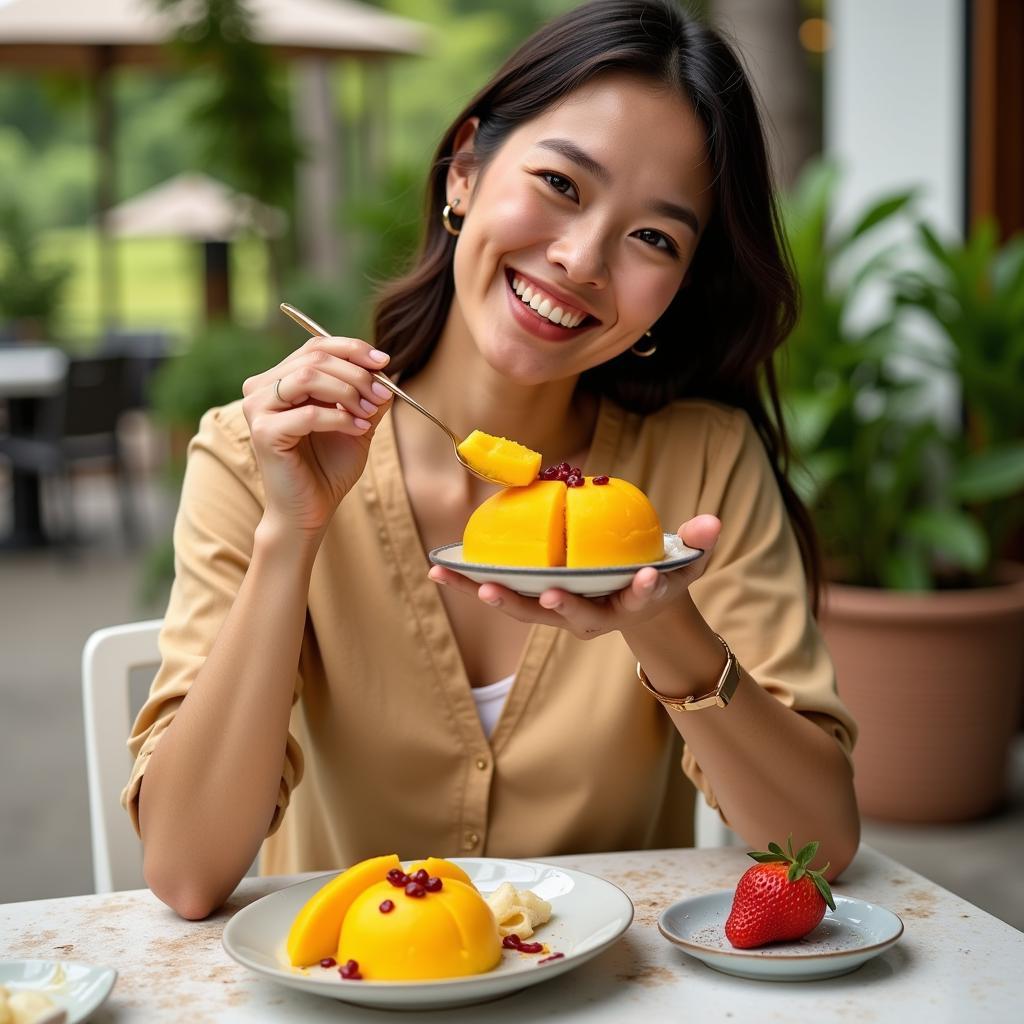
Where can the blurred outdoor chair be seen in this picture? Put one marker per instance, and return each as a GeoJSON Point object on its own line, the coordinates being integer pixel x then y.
{"type": "Point", "coordinates": [78, 424]}
{"type": "Point", "coordinates": [144, 352]}
{"type": "Point", "coordinates": [108, 659]}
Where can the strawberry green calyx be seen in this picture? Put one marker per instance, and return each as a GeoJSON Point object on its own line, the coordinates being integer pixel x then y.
{"type": "Point", "coordinates": [798, 865]}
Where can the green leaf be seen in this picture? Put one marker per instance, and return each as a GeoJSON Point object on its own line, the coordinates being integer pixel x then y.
{"type": "Point", "coordinates": [906, 569]}
{"type": "Point", "coordinates": [767, 858]}
{"type": "Point", "coordinates": [808, 853]}
{"type": "Point", "coordinates": [882, 211]}
{"type": "Point", "coordinates": [776, 849]}
{"type": "Point", "coordinates": [951, 533]}
{"type": "Point", "coordinates": [818, 877]}
{"type": "Point", "coordinates": [989, 476]}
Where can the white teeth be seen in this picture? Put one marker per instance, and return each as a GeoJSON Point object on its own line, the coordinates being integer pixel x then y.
{"type": "Point", "coordinates": [544, 306]}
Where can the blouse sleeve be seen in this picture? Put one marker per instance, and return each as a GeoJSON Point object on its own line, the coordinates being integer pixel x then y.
{"type": "Point", "coordinates": [219, 511]}
{"type": "Point", "coordinates": [754, 591]}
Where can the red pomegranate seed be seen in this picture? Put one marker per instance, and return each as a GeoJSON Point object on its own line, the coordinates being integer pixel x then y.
{"type": "Point", "coordinates": [565, 466]}
{"type": "Point", "coordinates": [433, 885]}
{"type": "Point", "coordinates": [386, 907]}
{"type": "Point", "coordinates": [328, 961]}
{"type": "Point", "coordinates": [350, 971]}
{"type": "Point", "coordinates": [548, 959]}
{"type": "Point", "coordinates": [576, 471]}
{"type": "Point", "coordinates": [415, 890]}
{"type": "Point", "coordinates": [421, 876]}
{"type": "Point", "coordinates": [602, 479]}
{"type": "Point", "coordinates": [574, 481]}
{"type": "Point", "coordinates": [398, 878]}
{"type": "Point", "coordinates": [511, 941]}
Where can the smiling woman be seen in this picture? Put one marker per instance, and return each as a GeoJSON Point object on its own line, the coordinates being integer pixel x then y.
{"type": "Point", "coordinates": [602, 279]}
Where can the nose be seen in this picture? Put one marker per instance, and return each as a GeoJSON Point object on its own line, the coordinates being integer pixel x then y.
{"type": "Point", "coordinates": [579, 250]}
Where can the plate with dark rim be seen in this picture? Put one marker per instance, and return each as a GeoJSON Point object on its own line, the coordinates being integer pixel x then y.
{"type": "Point", "coordinates": [532, 582]}
{"type": "Point", "coordinates": [855, 932]}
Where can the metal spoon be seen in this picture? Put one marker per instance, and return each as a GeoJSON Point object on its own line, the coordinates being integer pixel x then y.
{"type": "Point", "coordinates": [314, 328]}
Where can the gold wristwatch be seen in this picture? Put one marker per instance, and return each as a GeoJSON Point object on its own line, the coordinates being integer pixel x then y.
{"type": "Point", "coordinates": [719, 697]}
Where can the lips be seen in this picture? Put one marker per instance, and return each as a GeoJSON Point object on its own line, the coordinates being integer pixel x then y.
{"type": "Point", "coordinates": [548, 304]}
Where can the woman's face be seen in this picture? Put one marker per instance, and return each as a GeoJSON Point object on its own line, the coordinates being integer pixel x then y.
{"type": "Point", "coordinates": [591, 213]}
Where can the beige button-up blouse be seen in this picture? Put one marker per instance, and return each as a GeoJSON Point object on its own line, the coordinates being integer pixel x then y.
{"type": "Point", "coordinates": [386, 752]}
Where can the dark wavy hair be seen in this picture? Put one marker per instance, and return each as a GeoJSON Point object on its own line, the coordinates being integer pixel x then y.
{"type": "Point", "coordinates": [740, 300]}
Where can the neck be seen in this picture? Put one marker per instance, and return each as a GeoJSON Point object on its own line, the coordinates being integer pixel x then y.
{"type": "Point", "coordinates": [466, 393]}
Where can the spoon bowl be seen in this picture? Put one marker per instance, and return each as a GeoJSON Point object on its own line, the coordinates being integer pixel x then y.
{"type": "Point", "coordinates": [314, 328]}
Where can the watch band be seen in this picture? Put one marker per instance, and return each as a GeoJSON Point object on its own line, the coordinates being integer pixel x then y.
{"type": "Point", "coordinates": [719, 697]}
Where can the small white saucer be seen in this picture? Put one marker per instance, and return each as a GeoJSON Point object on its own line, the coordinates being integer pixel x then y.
{"type": "Point", "coordinates": [74, 987]}
{"type": "Point", "coordinates": [532, 582]}
{"type": "Point", "coordinates": [847, 937]}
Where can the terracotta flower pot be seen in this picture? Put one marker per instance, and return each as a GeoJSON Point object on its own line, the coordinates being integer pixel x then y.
{"type": "Point", "coordinates": [934, 681]}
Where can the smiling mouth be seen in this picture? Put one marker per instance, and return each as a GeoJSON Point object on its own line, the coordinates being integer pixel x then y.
{"type": "Point", "coordinates": [547, 307]}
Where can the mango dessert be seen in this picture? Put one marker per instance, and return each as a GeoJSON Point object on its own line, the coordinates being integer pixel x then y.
{"type": "Point", "coordinates": [565, 519]}
{"type": "Point", "coordinates": [383, 923]}
{"type": "Point", "coordinates": [499, 459]}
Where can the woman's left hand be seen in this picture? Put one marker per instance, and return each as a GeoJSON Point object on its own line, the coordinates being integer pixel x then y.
{"type": "Point", "coordinates": [649, 593]}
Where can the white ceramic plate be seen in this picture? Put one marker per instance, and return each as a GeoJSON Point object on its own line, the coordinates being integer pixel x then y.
{"type": "Point", "coordinates": [847, 937]}
{"type": "Point", "coordinates": [75, 987]}
{"type": "Point", "coordinates": [586, 582]}
{"type": "Point", "coordinates": [588, 915]}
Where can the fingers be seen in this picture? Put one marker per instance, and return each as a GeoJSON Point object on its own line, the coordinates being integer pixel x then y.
{"type": "Point", "coordinates": [349, 359]}
{"type": "Point", "coordinates": [283, 430]}
{"type": "Point", "coordinates": [701, 532]}
{"type": "Point", "coordinates": [321, 373]}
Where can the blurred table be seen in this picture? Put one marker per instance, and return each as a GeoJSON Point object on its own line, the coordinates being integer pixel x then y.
{"type": "Point", "coordinates": [953, 963]}
{"type": "Point", "coordinates": [28, 374]}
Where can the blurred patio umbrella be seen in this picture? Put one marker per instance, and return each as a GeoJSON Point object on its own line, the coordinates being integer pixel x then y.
{"type": "Point", "coordinates": [198, 207]}
{"type": "Point", "coordinates": [93, 37]}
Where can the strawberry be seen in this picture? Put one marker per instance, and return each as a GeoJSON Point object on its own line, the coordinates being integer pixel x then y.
{"type": "Point", "coordinates": [780, 898]}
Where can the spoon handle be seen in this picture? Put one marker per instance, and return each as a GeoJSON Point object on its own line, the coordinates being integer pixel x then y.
{"type": "Point", "coordinates": [314, 328]}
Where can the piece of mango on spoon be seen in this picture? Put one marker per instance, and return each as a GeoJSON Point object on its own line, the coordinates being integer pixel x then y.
{"type": "Point", "coordinates": [499, 459]}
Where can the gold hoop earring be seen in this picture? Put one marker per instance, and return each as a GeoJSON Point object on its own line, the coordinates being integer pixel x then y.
{"type": "Point", "coordinates": [644, 353]}
{"type": "Point", "coordinates": [446, 217]}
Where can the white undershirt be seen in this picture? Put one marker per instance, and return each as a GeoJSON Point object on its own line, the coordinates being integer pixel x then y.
{"type": "Point", "coordinates": [490, 699]}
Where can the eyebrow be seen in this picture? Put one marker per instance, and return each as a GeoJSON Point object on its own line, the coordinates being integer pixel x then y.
{"type": "Point", "coordinates": [582, 159]}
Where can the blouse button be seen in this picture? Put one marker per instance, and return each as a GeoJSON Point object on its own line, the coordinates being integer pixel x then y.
{"type": "Point", "coordinates": [470, 840]}
{"type": "Point", "coordinates": [481, 763]}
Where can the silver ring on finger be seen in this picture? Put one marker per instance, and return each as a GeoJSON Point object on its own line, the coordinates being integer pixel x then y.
{"type": "Point", "coordinates": [277, 392]}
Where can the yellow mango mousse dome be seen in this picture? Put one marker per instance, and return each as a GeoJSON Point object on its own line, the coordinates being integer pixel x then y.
{"type": "Point", "coordinates": [383, 923]}
{"type": "Point", "coordinates": [587, 522]}
{"type": "Point", "coordinates": [445, 934]}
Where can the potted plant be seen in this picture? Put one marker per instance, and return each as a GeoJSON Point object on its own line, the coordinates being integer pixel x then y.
{"type": "Point", "coordinates": [30, 293]}
{"type": "Point", "coordinates": [922, 619]}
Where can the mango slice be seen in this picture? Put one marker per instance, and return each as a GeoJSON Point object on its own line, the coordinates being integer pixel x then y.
{"type": "Point", "coordinates": [445, 934]}
{"type": "Point", "coordinates": [519, 526]}
{"type": "Point", "coordinates": [499, 459]}
{"type": "Point", "coordinates": [315, 930]}
{"type": "Point", "coordinates": [610, 524]}
{"type": "Point", "coordinates": [439, 868]}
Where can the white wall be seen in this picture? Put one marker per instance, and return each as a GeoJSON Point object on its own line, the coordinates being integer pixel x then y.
{"type": "Point", "coordinates": [894, 102]}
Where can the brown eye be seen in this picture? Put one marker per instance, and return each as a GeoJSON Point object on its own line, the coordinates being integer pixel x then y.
{"type": "Point", "coordinates": [561, 185]}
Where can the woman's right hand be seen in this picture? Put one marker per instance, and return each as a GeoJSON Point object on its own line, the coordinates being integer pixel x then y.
{"type": "Point", "coordinates": [311, 433]}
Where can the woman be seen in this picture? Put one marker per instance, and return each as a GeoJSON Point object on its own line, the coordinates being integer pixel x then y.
{"type": "Point", "coordinates": [615, 167]}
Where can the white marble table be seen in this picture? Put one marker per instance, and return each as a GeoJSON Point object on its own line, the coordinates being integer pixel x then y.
{"type": "Point", "coordinates": [953, 963]}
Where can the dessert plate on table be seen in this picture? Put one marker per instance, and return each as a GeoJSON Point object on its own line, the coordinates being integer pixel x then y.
{"type": "Point", "coordinates": [532, 582]}
{"type": "Point", "coordinates": [588, 914]}
{"type": "Point", "coordinates": [74, 987]}
{"type": "Point", "coordinates": [849, 936]}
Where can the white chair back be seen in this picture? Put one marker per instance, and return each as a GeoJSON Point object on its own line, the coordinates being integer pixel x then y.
{"type": "Point", "coordinates": [107, 661]}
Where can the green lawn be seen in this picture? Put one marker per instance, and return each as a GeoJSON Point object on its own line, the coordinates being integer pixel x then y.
{"type": "Point", "coordinates": [160, 283]}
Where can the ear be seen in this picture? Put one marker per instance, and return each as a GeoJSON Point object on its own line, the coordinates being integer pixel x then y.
{"type": "Point", "coordinates": [462, 170]}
